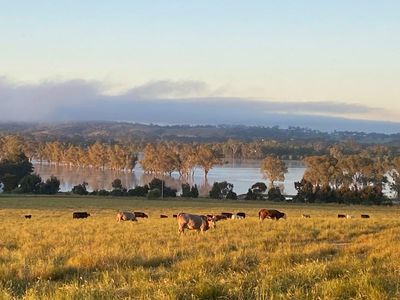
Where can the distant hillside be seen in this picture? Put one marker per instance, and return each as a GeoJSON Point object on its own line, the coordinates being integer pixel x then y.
{"type": "Point", "coordinates": [110, 131]}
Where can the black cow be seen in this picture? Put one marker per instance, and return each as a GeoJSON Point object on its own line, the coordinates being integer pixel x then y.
{"type": "Point", "coordinates": [80, 215]}
{"type": "Point", "coordinates": [241, 214]}
{"type": "Point", "coordinates": [139, 214]}
{"type": "Point", "coordinates": [365, 216]}
{"type": "Point", "coordinates": [28, 216]}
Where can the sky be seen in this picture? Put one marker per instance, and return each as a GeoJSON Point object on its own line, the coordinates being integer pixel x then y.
{"type": "Point", "coordinates": [337, 59]}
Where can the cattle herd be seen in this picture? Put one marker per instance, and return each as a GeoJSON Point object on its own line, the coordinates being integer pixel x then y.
{"type": "Point", "coordinates": [201, 222]}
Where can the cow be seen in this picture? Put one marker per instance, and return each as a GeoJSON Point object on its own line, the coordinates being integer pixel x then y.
{"type": "Point", "coordinates": [80, 215]}
{"type": "Point", "coordinates": [220, 217]}
{"type": "Point", "coordinates": [349, 216]}
{"type": "Point", "coordinates": [241, 214]}
{"type": "Point", "coordinates": [270, 214]}
{"type": "Point", "coordinates": [139, 214]}
{"type": "Point", "coordinates": [237, 217]}
{"type": "Point", "coordinates": [28, 216]}
{"type": "Point", "coordinates": [174, 216]}
{"type": "Point", "coordinates": [194, 222]}
{"type": "Point", "coordinates": [126, 216]}
{"type": "Point", "coordinates": [365, 216]}
{"type": "Point", "coordinates": [163, 216]}
{"type": "Point", "coordinates": [341, 216]}
{"type": "Point", "coordinates": [229, 215]}
{"type": "Point", "coordinates": [305, 216]}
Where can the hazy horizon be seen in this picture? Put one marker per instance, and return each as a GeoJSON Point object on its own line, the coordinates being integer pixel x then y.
{"type": "Point", "coordinates": [311, 64]}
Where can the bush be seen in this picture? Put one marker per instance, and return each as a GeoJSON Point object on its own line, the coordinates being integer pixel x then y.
{"type": "Point", "coordinates": [29, 184]}
{"type": "Point", "coordinates": [51, 186]}
{"type": "Point", "coordinates": [222, 190]}
{"type": "Point", "coordinates": [80, 189]}
{"type": "Point", "coordinates": [274, 194]}
{"type": "Point", "coordinates": [189, 192]}
{"type": "Point", "coordinates": [139, 191]}
{"type": "Point", "coordinates": [154, 194]}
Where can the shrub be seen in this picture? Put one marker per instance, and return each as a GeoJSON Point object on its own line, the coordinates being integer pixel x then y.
{"type": "Point", "coordinates": [80, 189]}
{"type": "Point", "coordinates": [154, 194]}
{"type": "Point", "coordinates": [222, 190]}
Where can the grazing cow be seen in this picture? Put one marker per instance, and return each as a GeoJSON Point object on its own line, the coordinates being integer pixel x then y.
{"type": "Point", "coordinates": [229, 215]}
{"type": "Point", "coordinates": [139, 214]}
{"type": "Point", "coordinates": [349, 216]}
{"type": "Point", "coordinates": [341, 216]}
{"type": "Point", "coordinates": [270, 214]}
{"type": "Point", "coordinates": [163, 216]}
{"type": "Point", "coordinates": [174, 216]}
{"type": "Point", "coordinates": [194, 222]}
{"type": "Point", "coordinates": [306, 216]}
{"type": "Point", "coordinates": [365, 216]}
{"type": "Point", "coordinates": [28, 216]}
{"type": "Point", "coordinates": [237, 217]}
{"type": "Point", "coordinates": [126, 216]}
{"type": "Point", "coordinates": [220, 217]}
{"type": "Point", "coordinates": [241, 214]}
{"type": "Point", "coordinates": [80, 215]}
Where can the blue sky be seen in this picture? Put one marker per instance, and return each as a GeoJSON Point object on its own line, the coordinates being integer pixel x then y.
{"type": "Point", "coordinates": [284, 51]}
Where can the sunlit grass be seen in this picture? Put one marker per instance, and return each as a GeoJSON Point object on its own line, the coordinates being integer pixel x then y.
{"type": "Point", "coordinates": [53, 256]}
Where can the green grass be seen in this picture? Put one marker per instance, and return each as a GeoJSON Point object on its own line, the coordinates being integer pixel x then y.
{"type": "Point", "coordinates": [53, 256]}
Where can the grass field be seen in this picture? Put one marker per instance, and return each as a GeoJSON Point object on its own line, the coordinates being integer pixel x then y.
{"type": "Point", "coordinates": [53, 256]}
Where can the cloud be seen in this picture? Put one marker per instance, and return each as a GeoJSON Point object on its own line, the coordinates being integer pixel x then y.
{"type": "Point", "coordinates": [170, 102]}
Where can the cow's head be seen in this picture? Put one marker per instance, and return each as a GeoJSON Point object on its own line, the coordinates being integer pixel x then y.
{"type": "Point", "coordinates": [284, 216]}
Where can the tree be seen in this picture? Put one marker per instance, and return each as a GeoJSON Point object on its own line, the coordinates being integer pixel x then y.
{"type": "Point", "coordinates": [117, 184]}
{"type": "Point", "coordinates": [13, 168]}
{"type": "Point", "coordinates": [222, 190]}
{"type": "Point", "coordinates": [395, 174]}
{"type": "Point", "coordinates": [273, 169]}
{"type": "Point", "coordinates": [206, 159]}
{"type": "Point", "coordinates": [256, 192]}
{"type": "Point", "coordinates": [30, 184]}
{"type": "Point", "coordinates": [80, 189]}
{"type": "Point", "coordinates": [50, 187]}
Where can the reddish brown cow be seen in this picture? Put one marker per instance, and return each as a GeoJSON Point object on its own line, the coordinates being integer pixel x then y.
{"type": "Point", "coordinates": [341, 216]}
{"type": "Point", "coordinates": [270, 214]}
{"type": "Point", "coordinates": [163, 216]}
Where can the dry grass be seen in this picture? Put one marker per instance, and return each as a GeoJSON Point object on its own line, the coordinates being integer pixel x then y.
{"type": "Point", "coordinates": [53, 256]}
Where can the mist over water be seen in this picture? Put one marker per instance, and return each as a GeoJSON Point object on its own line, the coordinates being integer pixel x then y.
{"type": "Point", "coordinates": [242, 174]}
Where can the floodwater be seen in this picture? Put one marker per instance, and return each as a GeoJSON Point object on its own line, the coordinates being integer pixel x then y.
{"type": "Point", "coordinates": [242, 174]}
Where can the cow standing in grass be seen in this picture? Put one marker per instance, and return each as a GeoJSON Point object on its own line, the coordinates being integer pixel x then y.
{"type": "Point", "coordinates": [270, 214]}
{"type": "Point", "coordinates": [194, 222]}
{"type": "Point", "coordinates": [126, 216]}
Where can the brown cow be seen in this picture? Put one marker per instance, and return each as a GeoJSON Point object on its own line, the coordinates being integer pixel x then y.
{"type": "Point", "coordinates": [194, 222]}
{"type": "Point", "coordinates": [126, 216]}
{"type": "Point", "coordinates": [306, 216]}
{"type": "Point", "coordinates": [270, 214]}
{"type": "Point", "coordinates": [365, 216]}
{"type": "Point", "coordinates": [139, 214]}
{"type": "Point", "coordinates": [163, 216]}
{"type": "Point", "coordinates": [341, 216]}
{"type": "Point", "coordinates": [174, 216]}
{"type": "Point", "coordinates": [28, 216]}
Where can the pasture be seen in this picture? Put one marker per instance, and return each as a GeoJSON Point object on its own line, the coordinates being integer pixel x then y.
{"type": "Point", "coordinates": [53, 256]}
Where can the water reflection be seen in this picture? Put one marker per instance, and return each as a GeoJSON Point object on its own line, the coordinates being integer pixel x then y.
{"type": "Point", "coordinates": [242, 174]}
